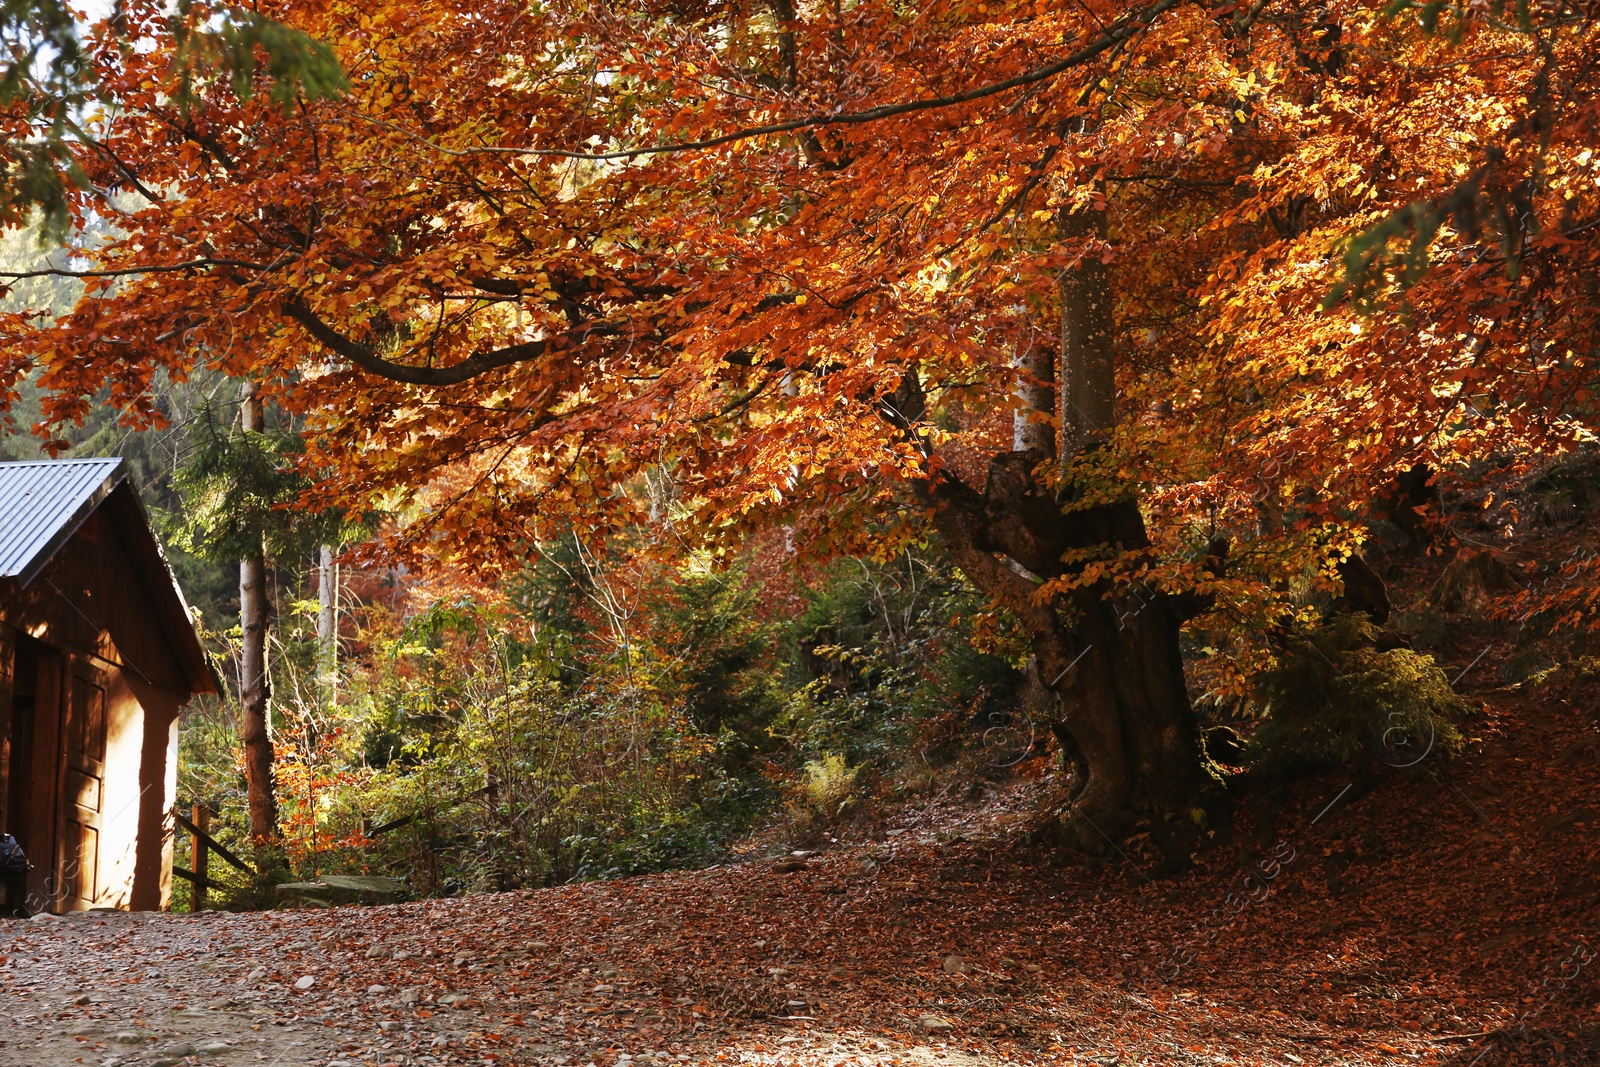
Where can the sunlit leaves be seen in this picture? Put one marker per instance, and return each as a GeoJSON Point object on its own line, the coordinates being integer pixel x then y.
{"type": "Point", "coordinates": [724, 325]}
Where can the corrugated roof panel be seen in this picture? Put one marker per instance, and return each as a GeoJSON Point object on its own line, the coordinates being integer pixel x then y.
{"type": "Point", "coordinates": [43, 502]}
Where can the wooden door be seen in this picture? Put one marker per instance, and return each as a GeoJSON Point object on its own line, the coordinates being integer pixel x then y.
{"type": "Point", "coordinates": [39, 788]}
{"type": "Point", "coordinates": [8, 666]}
{"type": "Point", "coordinates": [83, 788]}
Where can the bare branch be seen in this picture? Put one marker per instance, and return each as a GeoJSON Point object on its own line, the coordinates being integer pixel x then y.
{"type": "Point", "coordinates": [124, 272]}
{"type": "Point", "coordinates": [1128, 27]}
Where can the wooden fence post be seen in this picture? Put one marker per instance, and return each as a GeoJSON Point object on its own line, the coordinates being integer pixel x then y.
{"type": "Point", "coordinates": [201, 817]}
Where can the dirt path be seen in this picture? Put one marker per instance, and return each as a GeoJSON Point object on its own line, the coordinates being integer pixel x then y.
{"type": "Point", "coordinates": [308, 988]}
{"type": "Point", "coordinates": [1443, 915]}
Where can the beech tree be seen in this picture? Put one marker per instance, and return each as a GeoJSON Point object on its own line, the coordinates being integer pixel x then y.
{"type": "Point", "coordinates": [1137, 306]}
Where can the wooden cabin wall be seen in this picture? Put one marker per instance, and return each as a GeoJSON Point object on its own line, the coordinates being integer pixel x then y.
{"type": "Point", "coordinates": [110, 691]}
{"type": "Point", "coordinates": [8, 649]}
{"type": "Point", "coordinates": [169, 827]}
{"type": "Point", "coordinates": [44, 776]}
{"type": "Point", "coordinates": [91, 598]}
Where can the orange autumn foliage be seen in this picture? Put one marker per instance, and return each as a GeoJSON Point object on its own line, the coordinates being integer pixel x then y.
{"type": "Point", "coordinates": [500, 310]}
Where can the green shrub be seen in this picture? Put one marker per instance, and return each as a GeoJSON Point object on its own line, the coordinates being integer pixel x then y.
{"type": "Point", "coordinates": [614, 716]}
{"type": "Point", "coordinates": [537, 785]}
{"type": "Point", "coordinates": [882, 650]}
{"type": "Point", "coordinates": [1334, 699]}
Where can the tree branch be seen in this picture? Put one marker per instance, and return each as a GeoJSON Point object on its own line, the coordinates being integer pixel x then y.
{"type": "Point", "coordinates": [1133, 24]}
{"type": "Point", "coordinates": [123, 272]}
{"type": "Point", "coordinates": [368, 360]}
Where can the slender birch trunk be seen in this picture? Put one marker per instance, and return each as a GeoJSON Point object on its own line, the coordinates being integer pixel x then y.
{"type": "Point", "coordinates": [254, 685]}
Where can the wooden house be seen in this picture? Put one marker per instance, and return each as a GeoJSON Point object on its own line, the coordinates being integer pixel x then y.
{"type": "Point", "coordinates": [98, 654]}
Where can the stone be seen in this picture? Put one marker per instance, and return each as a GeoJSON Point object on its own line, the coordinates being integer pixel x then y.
{"type": "Point", "coordinates": [377, 990]}
{"type": "Point", "coordinates": [256, 975]}
{"type": "Point", "coordinates": [377, 952]}
{"type": "Point", "coordinates": [179, 1049]}
{"type": "Point", "coordinates": [957, 965]}
{"type": "Point", "coordinates": [305, 981]}
{"type": "Point", "coordinates": [410, 995]}
{"type": "Point", "coordinates": [388, 1026]}
{"type": "Point", "coordinates": [344, 889]}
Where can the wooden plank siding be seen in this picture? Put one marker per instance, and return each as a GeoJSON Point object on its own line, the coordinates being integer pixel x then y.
{"type": "Point", "coordinates": [93, 678]}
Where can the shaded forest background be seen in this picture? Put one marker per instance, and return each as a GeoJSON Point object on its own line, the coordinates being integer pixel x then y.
{"type": "Point", "coordinates": [595, 716]}
{"type": "Point", "coordinates": [609, 549]}
{"type": "Point", "coordinates": [606, 712]}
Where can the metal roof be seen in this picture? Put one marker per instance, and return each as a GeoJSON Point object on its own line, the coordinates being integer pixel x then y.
{"type": "Point", "coordinates": [42, 504]}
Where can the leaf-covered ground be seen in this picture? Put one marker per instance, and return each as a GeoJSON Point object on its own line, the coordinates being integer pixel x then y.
{"type": "Point", "coordinates": [1440, 915]}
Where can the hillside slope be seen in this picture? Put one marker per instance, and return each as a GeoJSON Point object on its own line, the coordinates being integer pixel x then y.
{"type": "Point", "coordinates": [1440, 915]}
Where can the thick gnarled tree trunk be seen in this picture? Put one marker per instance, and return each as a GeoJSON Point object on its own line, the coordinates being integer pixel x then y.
{"type": "Point", "coordinates": [1112, 664]}
{"type": "Point", "coordinates": [1108, 657]}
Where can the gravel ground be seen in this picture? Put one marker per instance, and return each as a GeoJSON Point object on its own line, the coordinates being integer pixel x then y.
{"type": "Point", "coordinates": [114, 988]}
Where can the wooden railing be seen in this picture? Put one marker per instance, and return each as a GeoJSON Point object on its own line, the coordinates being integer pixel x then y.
{"type": "Point", "coordinates": [203, 844]}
